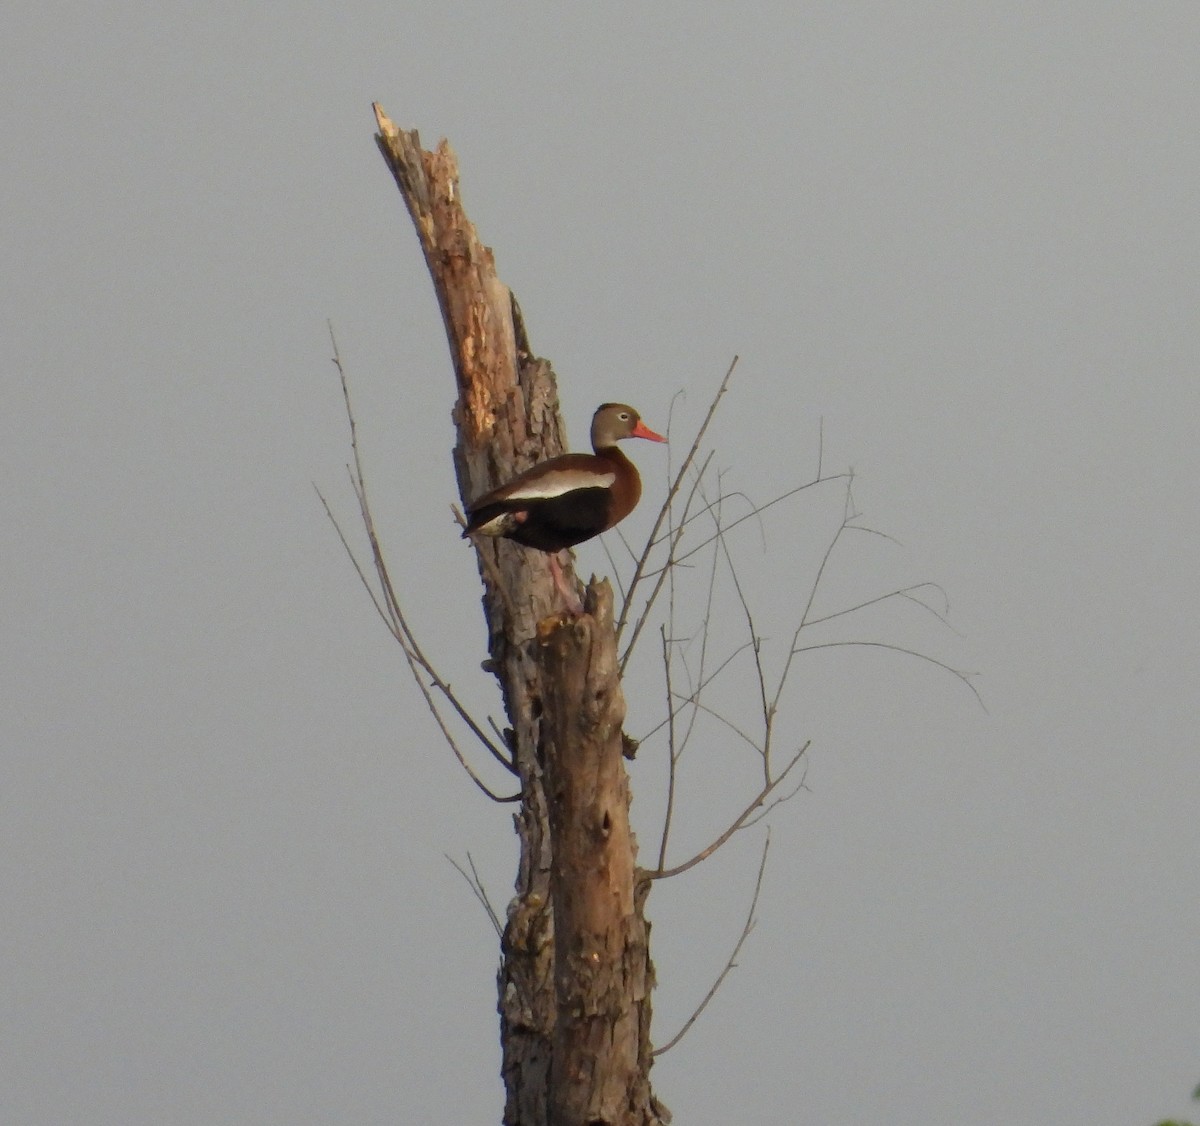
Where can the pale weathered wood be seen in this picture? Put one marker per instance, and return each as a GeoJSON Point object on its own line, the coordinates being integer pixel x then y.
{"type": "Point", "coordinates": [575, 975]}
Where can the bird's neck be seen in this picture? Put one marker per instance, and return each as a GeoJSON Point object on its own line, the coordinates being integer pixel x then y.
{"type": "Point", "coordinates": [612, 454]}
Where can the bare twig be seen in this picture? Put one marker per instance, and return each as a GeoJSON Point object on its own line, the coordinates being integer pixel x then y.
{"type": "Point", "coordinates": [904, 592]}
{"type": "Point", "coordinates": [698, 705]}
{"type": "Point", "coordinates": [757, 510]}
{"type": "Point", "coordinates": [672, 756]}
{"type": "Point", "coordinates": [694, 697]}
{"type": "Point", "coordinates": [660, 575]}
{"type": "Point", "coordinates": [755, 641]}
{"type": "Point", "coordinates": [731, 964]}
{"type": "Point", "coordinates": [666, 507]}
{"type": "Point", "coordinates": [766, 809]}
{"type": "Point", "coordinates": [706, 627]}
{"type": "Point", "coordinates": [387, 605]}
{"type": "Point", "coordinates": [739, 823]}
{"type": "Point", "coordinates": [812, 594]}
{"type": "Point", "coordinates": [477, 888]}
{"type": "Point", "coordinates": [958, 674]}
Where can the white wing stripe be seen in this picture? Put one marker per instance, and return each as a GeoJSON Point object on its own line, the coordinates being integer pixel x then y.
{"type": "Point", "coordinates": [552, 485]}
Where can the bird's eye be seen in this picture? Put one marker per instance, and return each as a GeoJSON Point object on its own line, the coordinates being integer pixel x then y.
{"type": "Point", "coordinates": [624, 416]}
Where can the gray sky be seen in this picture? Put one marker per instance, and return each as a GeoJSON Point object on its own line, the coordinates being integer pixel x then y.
{"type": "Point", "coordinates": [963, 235]}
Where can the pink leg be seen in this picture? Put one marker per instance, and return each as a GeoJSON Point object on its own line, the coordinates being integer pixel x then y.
{"type": "Point", "coordinates": [564, 588]}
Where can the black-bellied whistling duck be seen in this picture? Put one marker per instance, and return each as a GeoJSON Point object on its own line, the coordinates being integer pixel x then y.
{"type": "Point", "coordinates": [568, 499]}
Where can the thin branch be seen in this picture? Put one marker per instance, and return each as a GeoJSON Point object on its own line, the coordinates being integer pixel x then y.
{"type": "Point", "coordinates": [354, 559]}
{"type": "Point", "coordinates": [477, 888]}
{"type": "Point", "coordinates": [730, 965]}
{"type": "Point", "coordinates": [387, 605]}
{"type": "Point", "coordinates": [672, 757]}
{"type": "Point", "coordinates": [812, 591]}
{"type": "Point", "coordinates": [674, 489]}
{"type": "Point", "coordinates": [718, 501]}
{"type": "Point", "coordinates": [739, 823]}
{"type": "Point", "coordinates": [768, 708]}
{"type": "Point", "coordinates": [700, 706]}
{"type": "Point", "coordinates": [678, 560]}
{"type": "Point", "coordinates": [705, 634]}
{"type": "Point", "coordinates": [403, 633]}
{"type": "Point", "coordinates": [766, 809]}
{"type": "Point", "coordinates": [965, 677]}
{"type": "Point", "coordinates": [613, 569]}
{"type": "Point", "coordinates": [416, 664]}
{"type": "Point", "coordinates": [694, 697]}
{"type": "Point", "coordinates": [674, 536]}
{"type": "Point", "coordinates": [852, 527]}
{"type": "Point", "coordinates": [905, 593]}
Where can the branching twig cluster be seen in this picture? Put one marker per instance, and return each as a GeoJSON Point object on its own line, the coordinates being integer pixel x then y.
{"type": "Point", "coordinates": [693, 522]}
{"type": "Point", "coordinates": [387, 605]}
{"type": "Point", "coordinates": [693, 512]}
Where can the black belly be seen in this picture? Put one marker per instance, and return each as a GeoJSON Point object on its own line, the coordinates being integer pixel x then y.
{"type": "Point", "coordinates": [553, 523]}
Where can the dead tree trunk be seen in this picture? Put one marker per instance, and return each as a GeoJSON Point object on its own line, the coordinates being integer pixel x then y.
{"type": "Point", "coordinates": [603, 976]}
{"type": "Point", "coordinates": [575, 975]}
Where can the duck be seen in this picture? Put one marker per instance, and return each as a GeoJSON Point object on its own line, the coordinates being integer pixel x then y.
{"type": "Point", "coordinates": [569, 499]}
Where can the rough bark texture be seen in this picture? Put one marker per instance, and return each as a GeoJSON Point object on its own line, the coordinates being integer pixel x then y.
{"type": "Point", "coordinates": [575, 973]}
{"type": "Point", "coordinates": [603, 976]}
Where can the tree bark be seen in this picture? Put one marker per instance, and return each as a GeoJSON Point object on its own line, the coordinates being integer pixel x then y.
{"type": "Point", "coordinates": [575, 976]}
{"type": "Point", "coordinates": [603, 976]}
